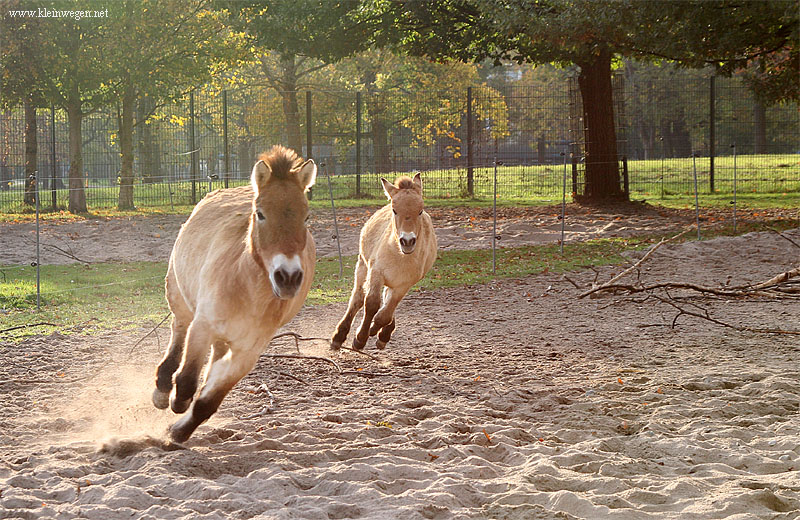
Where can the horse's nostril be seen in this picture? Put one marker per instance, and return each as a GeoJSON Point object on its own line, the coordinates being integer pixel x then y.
{"type": "Point", "coordinates": [412, 241]}
{"type": "Point", "coordinates": [296, 278]}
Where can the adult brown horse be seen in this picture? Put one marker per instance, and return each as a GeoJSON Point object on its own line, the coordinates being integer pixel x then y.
{"type": "Point", "coordinates": [241, 267]}
{"type": "Point", "coordinates": [397, 248]}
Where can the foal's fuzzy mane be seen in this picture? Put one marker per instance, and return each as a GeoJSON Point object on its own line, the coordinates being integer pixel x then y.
{"type": "Point", "coordinates": [281, 161]}
{"type": "Point", "coordinates": [405, 183]}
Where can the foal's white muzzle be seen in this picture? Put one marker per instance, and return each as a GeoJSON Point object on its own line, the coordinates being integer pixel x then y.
{"type": "Point", "coordinates": [408, 241]}
{"type": "Point", "coordinates": [285, 276]}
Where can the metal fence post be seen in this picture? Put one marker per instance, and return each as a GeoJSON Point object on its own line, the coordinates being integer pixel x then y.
{"type": "Point", "coordinates": [358, 144]}
{"type": "Point", "coordinates": [574, 174]}
{"type": "Point", "coordinates": [225, 137]}
{"type": "Point", "coordinates": [53, 193]}
{"type": "Point", "coordinates": [309, 142]}
{"type": "Point", "coordinates": [38, 259]}
{"type": "Point", "coordinates": [192, 153]}
{"type": "Point", "coordinates": [626, 183]}
{"type": "Point", "coordinates": [470, 169]}
{"type": "Point", "coordinates": [712, 134]}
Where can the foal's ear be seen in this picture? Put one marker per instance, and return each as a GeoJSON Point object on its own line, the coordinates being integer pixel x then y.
{"type": "Point", "coordinates": [260, 176]}
{"type": "Point", "coordinates": [388, 188]}
{"type": "Point", "coordinates": [307, 174]}
{"type": "Point", "coordinates": [418, 181]}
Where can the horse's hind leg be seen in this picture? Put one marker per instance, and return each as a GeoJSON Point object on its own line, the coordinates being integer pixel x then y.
{"type": "Point", "coordinates": [223, 374]}
{"type": "Point", "coordinates": [198, 342]}
{"type": "Point", "coordinates": [181, 318]}
{"type": "Point", "coordinates": [385, 335]}
{"type": "Point", "coordinates": [355, 303]}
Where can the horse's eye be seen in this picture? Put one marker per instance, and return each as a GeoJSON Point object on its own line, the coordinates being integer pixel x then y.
{"type": "Point", "coordinates": [394, 211]}
{"type": "Point", "coordinates": [259, 215]}
{"type": "Point", "coordinates": [420, 212]}
{"type": "Point", "coordinates": [308, 217]}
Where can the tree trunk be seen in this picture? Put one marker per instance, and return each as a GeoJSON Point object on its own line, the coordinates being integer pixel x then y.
{"type": "Point", "coordinates": [602, 169]}
{"type": "Point", "coordinates": [541, 150]}
{"type": "Point", "coordinates": [149, 156]}
{"type": "Point", "coordinates": [246, 157]}
{"type": "Point", "coordinates": [77, 193]}
{"type": "Point", "coordinates": [760, 122]}
{"type": "Point", "coordinates": [291, 109]}
{"type": "Point", "coordinates": [30, 153]}
{"type": "Point", "coordinates": [380, 144]}
{"type": "Point", "coordinates": [125, 200]}
{"type": "Point", "coordinates": [5, 150]}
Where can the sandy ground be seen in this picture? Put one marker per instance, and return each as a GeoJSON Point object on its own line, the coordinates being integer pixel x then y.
{"type": "Point", "coordinates": [513, 400]}
{"type": "Point", "coordinates": [151, 238]}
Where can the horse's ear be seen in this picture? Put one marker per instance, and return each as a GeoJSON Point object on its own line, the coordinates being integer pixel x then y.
{"type": "Point", "coordinates": [260, 176]}
{"type": "Point", "coordinates": [307, 174]}
{"type": "Point", "coordinates": [388, 188]}
{"type": "Point", "coordinates": [418, 181]}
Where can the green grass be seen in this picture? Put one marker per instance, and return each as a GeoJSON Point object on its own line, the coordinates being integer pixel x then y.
{"type": "Point", "coordinates": [126, 295]}
{"type": "Point", "coordinates": [761, 179]}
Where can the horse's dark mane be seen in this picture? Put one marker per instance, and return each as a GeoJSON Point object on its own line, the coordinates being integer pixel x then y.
{"type": "Point", "coordinates": [405, 183]}
{"type": "Point", "coordinates": [281, 160]}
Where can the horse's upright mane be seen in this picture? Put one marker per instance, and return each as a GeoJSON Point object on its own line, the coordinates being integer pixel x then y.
{"type": "Point", "coordinates": [405, 183]}
{"type": "Point", "coordinates": [281, 160]}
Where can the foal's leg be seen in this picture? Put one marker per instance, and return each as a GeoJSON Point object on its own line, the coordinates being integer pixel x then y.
{"type": "Point", "coordinates": [181, 318]}
{"type": "Point", "coordinates": [385, 335]}
{"type": "Point", "coordinates": [371, 305]}
{"type": "Point", "coordinates": [198, 342]}
{"type": "Point", "coordinates": [224, 373]}
{"type": "Point", "coordinates": [356, 302]}
{"type": "Point", "coordinates": [385, 316]}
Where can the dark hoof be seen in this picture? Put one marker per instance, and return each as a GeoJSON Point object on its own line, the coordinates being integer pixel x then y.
{"type": "Point", "coordinates": [380, 344]}
{"type": "Point", "coordinates": [336, 345]}
{"type": "Point", "coordinates": [178, 434]}
{"type": "Point", "coordinates": [160, 399]}
{"type": "Point", "coordinates": [179, 406]}
{"type": "Point", "coordinates": [359, 345]}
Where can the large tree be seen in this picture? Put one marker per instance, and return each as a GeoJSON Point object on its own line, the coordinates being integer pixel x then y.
{"type": "Point", "coordinates": [294, 38]}
{"type": "Point", "coordinates": [66, 60]}
{"type": "Point", "coordinates": [591, 35]}
{"type": "Point", "coordinates": [165, 49]}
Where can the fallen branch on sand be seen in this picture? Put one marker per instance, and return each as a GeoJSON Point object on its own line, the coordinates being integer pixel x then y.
{"type": "Point", "coordinates": [705, 315]}
{"type": "Point", "coordinates": [610, 284]}
{"type": "Point", "coordinates": [40, 324]}
{"type": "Point", "coordinates": [780, 285]}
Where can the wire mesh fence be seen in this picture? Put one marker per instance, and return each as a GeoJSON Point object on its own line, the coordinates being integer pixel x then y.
{"type": "Point", "coordinates": [211, 138]}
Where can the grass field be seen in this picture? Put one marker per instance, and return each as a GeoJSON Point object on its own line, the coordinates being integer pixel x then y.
{"type": "Point", "coordinates": [124, 295]}
{"type": "Point", "coordinates": [759, 178]}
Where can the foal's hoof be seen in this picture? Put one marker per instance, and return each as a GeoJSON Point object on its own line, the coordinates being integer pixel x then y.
{"type": "Point", "coordinates": [160, 399]}
{"type": "Point", "coordinates": [380, 344]}
{"type": "Point", "coordinates": [179, 406]}
{"type": "Point", "coordinates": [336, 345]}
{"type": "Point", "coordinates": [358, 345]}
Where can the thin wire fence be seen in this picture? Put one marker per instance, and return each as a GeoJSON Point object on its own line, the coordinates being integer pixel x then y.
{"type": "Point", "coordinates": [211, 138]}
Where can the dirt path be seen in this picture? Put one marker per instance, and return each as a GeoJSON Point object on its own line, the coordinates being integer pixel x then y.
{"type": "Point", "coordinates": [513, 400]}
{"type": "Point", "coordinates": [151, 238]}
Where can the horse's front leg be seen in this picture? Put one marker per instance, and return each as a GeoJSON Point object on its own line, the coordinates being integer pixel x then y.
{"type": "Point", "coordinates": [170, 363]}
{"type": "Point", "coordinates": [383, 321]}
{"type": "Point", "coordinates": [223, 375]}
{"type": "Point", "coordinates": [198, 342]}
{"type": "Point", "coordinates": [371, 305]}
{"type": "Point", "coordinates": [353, 306]}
